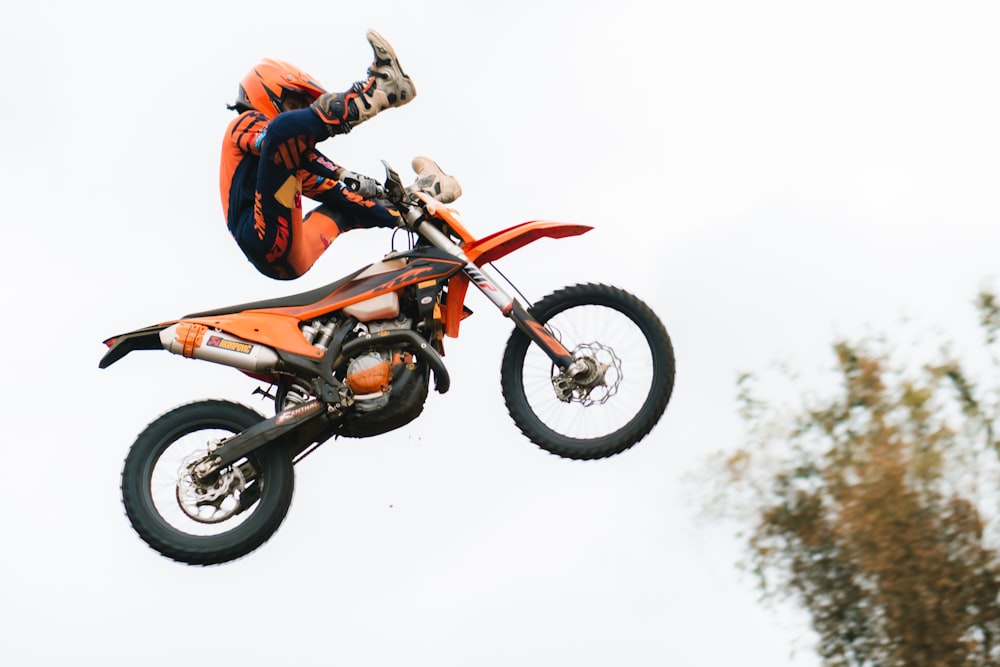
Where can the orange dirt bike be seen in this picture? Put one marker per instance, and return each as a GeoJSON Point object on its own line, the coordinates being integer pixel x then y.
{"type": "Point", "coordinates": [586, 373]}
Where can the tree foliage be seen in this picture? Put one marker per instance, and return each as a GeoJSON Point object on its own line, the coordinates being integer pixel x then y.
{"type": "Point", "coordinates": [874, 507]}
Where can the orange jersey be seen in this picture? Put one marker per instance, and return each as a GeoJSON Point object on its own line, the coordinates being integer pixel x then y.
{"type": "Point", "coordinates": [265, 170]}
{"type": "Point", "coordinates": [241, 147]}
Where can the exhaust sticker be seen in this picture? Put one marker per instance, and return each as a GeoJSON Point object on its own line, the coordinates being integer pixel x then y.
{"type": "Point", "coordinates": [231, 345]}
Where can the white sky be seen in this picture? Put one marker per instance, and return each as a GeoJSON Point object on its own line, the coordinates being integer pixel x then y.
{"type": "Point", "coordinates": [768, 175]}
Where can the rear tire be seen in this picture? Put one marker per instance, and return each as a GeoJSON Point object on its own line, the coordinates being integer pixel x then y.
{"type": "Point", "coordinates": [625, 337]}
{"type": "Point", "coordinates": [171, 518]}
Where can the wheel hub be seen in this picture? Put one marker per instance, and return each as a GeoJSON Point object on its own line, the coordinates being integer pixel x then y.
{"type": "Point", "coordinates": [210, 499]}
{"type": "Point", "coordinates": [586, 380]}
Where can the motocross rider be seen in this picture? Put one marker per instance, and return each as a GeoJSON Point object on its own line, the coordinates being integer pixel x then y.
{"type": "Point", "coordinates": [269, 162]}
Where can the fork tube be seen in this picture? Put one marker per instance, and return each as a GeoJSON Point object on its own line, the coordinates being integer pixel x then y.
{"type": "Point", "coordinates": [487, 285]}
{"type": "Point", "coordinates": [513, 309]}
{"type": "Point", "coordinates": [531, 327]}
{"type": "Point", "coordinates": [541, 336]}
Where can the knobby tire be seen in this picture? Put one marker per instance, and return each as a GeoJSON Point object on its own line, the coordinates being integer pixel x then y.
{"type": "Point", "coordinates": [652, 335]}
{"type": "Point", "coordinates": [275, 479]}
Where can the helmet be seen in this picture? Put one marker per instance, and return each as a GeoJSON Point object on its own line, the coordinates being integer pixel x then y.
{"type": "Point", "coordinates": [267, 86]}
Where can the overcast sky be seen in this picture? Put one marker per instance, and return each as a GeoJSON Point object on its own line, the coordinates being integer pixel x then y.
{"type": "Point", "coordinates": [768, 175]}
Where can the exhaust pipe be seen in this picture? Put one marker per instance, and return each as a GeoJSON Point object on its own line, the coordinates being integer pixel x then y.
{"type": "Point", "coordinates": [196, 341]}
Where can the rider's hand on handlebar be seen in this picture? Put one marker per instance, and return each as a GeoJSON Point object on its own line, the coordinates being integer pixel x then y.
{"type": "Point", "coordinates": [365, 186]}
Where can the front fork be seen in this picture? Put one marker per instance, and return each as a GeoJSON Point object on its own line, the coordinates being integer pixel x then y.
{"type": "Point", "coordinates": [542, 337]}
{"type": "Point", "coordinates": [523, 320]}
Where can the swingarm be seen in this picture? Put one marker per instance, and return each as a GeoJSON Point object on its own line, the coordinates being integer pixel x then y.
{"type": "Point", "coordinates": [304, 420]}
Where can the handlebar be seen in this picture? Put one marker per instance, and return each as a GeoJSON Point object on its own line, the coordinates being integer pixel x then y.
{"type": "Point", "coordinates": [393, 189]}
{"type": "Point", "coordinates": [396, 193]}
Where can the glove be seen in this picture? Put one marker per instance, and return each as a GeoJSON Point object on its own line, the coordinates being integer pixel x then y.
{"type": "Point", "coordinates": [365, 186]}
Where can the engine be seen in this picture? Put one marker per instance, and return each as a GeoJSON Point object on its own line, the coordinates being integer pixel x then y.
{"type": "Point", "coordinates": [370, 376]}
{"type": "Point", "coordinates": [389, 384]}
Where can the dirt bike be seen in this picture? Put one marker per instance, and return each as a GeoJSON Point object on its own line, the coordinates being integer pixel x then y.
{"type": "Point", "coordinates": [586, 373]}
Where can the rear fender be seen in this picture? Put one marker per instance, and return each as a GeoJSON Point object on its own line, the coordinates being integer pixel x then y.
{"type": "Point", "coordinates": [272, 328]}
{"type": "Point", "coordinates": [186, 335]}
{"type": "Point", "coordinates": [147, 338]}
{"type": "Point", "coordinates": [276, 324]}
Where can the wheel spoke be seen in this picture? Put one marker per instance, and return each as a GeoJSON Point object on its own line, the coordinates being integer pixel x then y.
{"type": "Point", "coordinates": [202, 521]}
{"type": "Point", "coordinates": [617, 387]}
{"type": "Point", "coordinates": [585, 330]}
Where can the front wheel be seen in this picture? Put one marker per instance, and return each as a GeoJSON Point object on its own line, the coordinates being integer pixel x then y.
{"type": "Point", "coordinates": [613, 397]}
{"type": "Point", "coordinates": [204, 521]}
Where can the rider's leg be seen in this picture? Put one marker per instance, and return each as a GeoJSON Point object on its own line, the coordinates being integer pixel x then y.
{"type": "Point", "coordinates": [387, 86]}
{"type": "Point", "coordinates": [282, 244]}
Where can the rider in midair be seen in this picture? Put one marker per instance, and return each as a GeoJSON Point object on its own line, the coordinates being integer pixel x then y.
{"type": "Point", "coordinates": [269, 162]}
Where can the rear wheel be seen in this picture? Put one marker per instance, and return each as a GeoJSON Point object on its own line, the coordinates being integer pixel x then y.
{"type": "Point", "coordinates": [204, 522]}
{"type": "Point", "coordinates": [618, 392]}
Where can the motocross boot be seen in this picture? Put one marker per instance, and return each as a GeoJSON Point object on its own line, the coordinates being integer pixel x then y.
{"type": "Point", "coordinates": [387, 86]}
{"type": "Point", "coordinates": [432, 180]}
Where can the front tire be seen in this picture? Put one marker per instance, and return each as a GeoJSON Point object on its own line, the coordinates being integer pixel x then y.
{"type": "Point", "coordinates": [187, 522]}
{"type": "Point", "coordinates": [632, 378]}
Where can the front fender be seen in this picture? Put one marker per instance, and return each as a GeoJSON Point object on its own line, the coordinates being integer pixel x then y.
{"type": "Point", "coordinates": [492, 247]}
{"type": "Point", "coordinates": [504, 242]}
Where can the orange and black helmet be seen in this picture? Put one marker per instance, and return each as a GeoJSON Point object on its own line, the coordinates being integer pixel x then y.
{"type": "Point", "coordinates": [271, 82]}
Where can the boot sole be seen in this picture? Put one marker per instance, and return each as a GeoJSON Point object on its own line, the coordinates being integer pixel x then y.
{"type": "Point", "coordinates": [380, 46]}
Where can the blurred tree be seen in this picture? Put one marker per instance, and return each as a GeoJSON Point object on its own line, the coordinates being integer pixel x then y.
{"type": "Point", "coordinates": [875, 508]}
